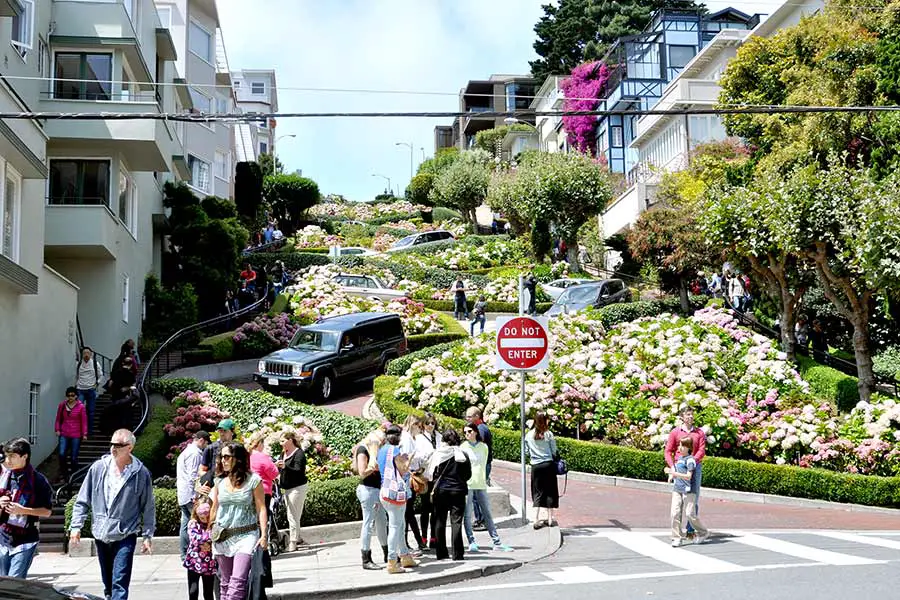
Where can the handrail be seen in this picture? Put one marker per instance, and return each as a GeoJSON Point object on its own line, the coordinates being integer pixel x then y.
{"type": "Point", "coordinates": [263, 247]}
{"type": "Point", "coordinates": [142, 387]}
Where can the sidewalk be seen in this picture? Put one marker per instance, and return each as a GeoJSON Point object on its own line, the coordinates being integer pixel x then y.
{"type": "Point", "coordinates": [329, 570]}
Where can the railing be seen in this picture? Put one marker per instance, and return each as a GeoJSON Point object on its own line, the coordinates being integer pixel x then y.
{"type": "Point", "coordinates": [268, 247]}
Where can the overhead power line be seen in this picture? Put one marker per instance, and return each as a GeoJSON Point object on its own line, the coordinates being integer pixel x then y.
{"type": "Point", "coordinates": [255, 117]}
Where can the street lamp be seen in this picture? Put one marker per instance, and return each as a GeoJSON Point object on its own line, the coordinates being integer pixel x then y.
{"type": "Point", "coordinates": [423, 153]}
{"type": "Point", "coordinates": [385, 177]}
{"type": "Point", "coordinates": [410, 146]}
{"type": "Point", "coordinates": [274, 144]}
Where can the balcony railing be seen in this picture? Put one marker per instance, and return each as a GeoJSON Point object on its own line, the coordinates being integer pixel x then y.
{"type": "Point", "coordinates": [143, 96]}
{"type": "Point", "coordinates": [78, 201]}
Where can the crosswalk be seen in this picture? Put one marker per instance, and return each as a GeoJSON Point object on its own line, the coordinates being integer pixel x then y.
{"type": "Point", "coordinates": [620, 555]}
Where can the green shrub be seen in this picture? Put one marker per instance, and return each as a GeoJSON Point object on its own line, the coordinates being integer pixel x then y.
{"type": "Point", "coordinates": [280, 305]}
{"type": "Point", "coordinates": [427, 248]}
{"type": "Point", "coordinates": [829, 384]}
{"type": "Point", "coordinates": [176, 385]}
{"type": "Point", "coordinates": [401, 365]}
{"type": "Point", "coordinates": [197, 356]}
{"type": "Point", "coordinates": [722, 473]}
{"type": "Point", "coordinates": [887, 363]}
{"type": "Point", "coordinates": [293, 261]}
{"type": "Point", "coordinates": [492, 307]}
{"type": "Point", "coordinates": [442, 213]}
{"type": "Point", "coordinates": [152, 446]}
{"type": "Point", "coordinates": [221, 346]}
{"type": "Point", "coordinates": [452, 331]}
{"type": "Point", "coordinates": [392, 218]}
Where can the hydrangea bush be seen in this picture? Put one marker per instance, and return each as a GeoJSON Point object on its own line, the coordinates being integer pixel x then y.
{"type": "Point", "coordinates": [466, 257]}
{"type": "Point", "coordinates": [264, 334]}
{"type": "Point", "coordinates": [360, 211]}
{"type": "Point", "coordinates": [194, 411]}
{"type": "Point", "coordinates": [313, 236]}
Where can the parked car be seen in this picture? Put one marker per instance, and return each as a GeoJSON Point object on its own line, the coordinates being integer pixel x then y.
{"type": "Point", "coordinates": [368, 286]}
{"type": "Point", "coordinates": [558, 286]}
{"type": "Point", "coordinates": [594, 294]}
{"type": "Point", "coordinates": [12, 588]}
{"type": "Point", "coordinates": [357, 251]}
{"type": "Point", "coordinates": [332, 352]}
{"type": "Point", "coordinates": [421, 238]}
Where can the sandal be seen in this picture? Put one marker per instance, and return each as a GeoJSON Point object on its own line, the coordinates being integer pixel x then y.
{"type": "Point", "coordinates": [540, 524]}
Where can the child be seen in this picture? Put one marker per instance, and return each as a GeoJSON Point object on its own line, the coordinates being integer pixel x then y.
{"type": "Point", "coordinates": [199, 559]}
{"type": "Point", "coordinates": [478, 315]}
{"type": "Point", "coordinates": [683, 501]}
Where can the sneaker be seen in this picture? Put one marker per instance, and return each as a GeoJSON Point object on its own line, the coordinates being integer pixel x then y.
{"type": "Point", "coordinates": [676, 542]}
{"type": "Point", "coordinates": [415, 553]}
{"type": "Point", "coordinates": [700, 539]}
{"type": "Point", "coordinates": [502, 548]}
{"type": "Point", "coordinates": [473, 547]}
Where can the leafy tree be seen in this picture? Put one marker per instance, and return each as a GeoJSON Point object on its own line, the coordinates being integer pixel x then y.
{"type": "Point", "coordinates": [573, 31]}
{"type": "Point", "coordinates": [290, 196]}
{"type": "Point", "coordinates": [248, 191]}
{"type": "Point", "coordinates": [218, 208]}
{"type": "Point", "coordinates": [265, 164]}
{"type": "Point", "coordinates": [168, 309]}
{"type": "Point", "coordinates": [489, 140]}
{"type": "Point", "coordinates": [419, 189]}
{"type": "Point", "coordinates": [463, 185]}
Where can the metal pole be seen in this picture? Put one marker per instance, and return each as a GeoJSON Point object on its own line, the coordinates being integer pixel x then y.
{"type": "Point", "coordinates": [522, 417]}
{"type": "Point", "coordinates": [411, 149]}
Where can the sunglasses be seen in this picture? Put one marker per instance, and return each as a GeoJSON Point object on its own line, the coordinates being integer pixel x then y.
{"type": "Point", "coordinates": [71, 395]}
{"type": "Point", "coordinates": [119, 444]}
{"type": "Point", "coordinates": [226, 456]}
{"type": "Point", "coordinates": [469, 430]}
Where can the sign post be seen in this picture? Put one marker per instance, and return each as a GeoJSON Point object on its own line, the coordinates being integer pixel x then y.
{"type": "Point", "coordinates": [522, 345]}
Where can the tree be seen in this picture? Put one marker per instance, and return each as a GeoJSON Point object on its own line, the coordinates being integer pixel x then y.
{"type": "Point", "coordinates": [463, 185]}
{"type": "Point", "coordinates": [490, 140]}
{"type": "Point", "coordinates": [574, 31]}
{"type": "Point", "coordinates": [248, 190]}
{"type": "Point", "coordinates": [419, 189]}
{"type": "Point", "coordinates": [582, 90]}
{"type": "Point", "coordinates": [290, 196]}
{"type": "Point", "coordinates": [265, 165]}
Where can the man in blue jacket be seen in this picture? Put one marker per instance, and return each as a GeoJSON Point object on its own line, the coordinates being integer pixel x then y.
{"type": "Point", "coordinates": [118, 491]}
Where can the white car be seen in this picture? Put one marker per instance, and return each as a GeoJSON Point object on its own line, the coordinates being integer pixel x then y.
{"type": "Point", "coordinates": [421, 238]}
{"type": "Point", "coordinates": [558, 286]}
{"type": "Point", "coordinates": [368, 286]}
{"type": "Point", "coordinates": [357, 251]}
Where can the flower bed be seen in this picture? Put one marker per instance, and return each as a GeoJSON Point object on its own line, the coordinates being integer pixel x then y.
{"type": "Point", "coordinates": [361, 211]}
{"type": "Point", "coordinates": [313, 236]}
{"type": "Point", "coordinates": [464, 255]}
{"type": "Point", "coordinates": [264, 334]}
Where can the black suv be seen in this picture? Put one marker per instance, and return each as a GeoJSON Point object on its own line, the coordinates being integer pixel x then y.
{"type": "Point", "coordinates": [332, 351]}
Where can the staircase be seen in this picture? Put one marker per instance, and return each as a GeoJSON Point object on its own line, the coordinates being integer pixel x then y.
{"type": "Point", "coordinates": [246, 149]}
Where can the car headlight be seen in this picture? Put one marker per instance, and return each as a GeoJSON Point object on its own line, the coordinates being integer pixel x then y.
{"type": "Point", "coordinates": [261, 367]}
{"type": "Point", "coordinates": [296, 370]}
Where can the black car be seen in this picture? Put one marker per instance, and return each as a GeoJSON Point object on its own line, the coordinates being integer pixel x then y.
{"type": "Point", "coordinates": [595, 294]}
{"type": "Point", "coordinates": [29, 589]}
{"type": "Point", "coordinates": [333, 351]}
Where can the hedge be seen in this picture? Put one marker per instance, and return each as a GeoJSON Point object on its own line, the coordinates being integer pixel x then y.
{"type": "Point", "coordinates": [221, 346]}
{"type": "Point", "coordinates": [436, 277]}
{"type": "Point", "coordinates": [427, 248]}
{"type": "Point", "coordinates": [293, 261]}
{"type": "Point", "coordinates": [401, 365]}
{"type": "Point", "coordinates": [492, 307]}
{"type": "Point", "coordinates": [280, 305]}
{"type": "Point", "coordinates": [151, 446]}
{"type": "Point", "coordinates": [327, 502]}
{"type": "Point", "coordinates": [169, 388]}
{"type": "Point", "coordinates": [442, 213]}
{"type": "Point", "coordinates": [722, 473]}
{"type": "Point", "coordinates": [452, 331]}
{"type": "Point", "coordinates": [829, 384]}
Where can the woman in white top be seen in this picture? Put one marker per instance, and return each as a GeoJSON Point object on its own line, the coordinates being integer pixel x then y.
{"type": "Point", "coordinates": [411, 428]}
{"type": "Point", "coordinates": [426, 443]}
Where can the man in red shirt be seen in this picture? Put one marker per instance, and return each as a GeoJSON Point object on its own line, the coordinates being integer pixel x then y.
{"type": "Point", "coordinates": [687, 429]}
{"type": "Point", "coordinates": [249, 276]}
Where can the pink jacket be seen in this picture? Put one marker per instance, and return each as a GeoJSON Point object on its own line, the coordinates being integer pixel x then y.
{"type": "Point", "coordinates": [696, 434]}
{"type": "Point", "coordinates": [71, 423]}
{"type": "Point", "coordinates": [263, 465]}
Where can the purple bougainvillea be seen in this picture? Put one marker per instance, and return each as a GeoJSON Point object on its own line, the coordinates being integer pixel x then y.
{"type": "Point", "coordinates": [582, 92]}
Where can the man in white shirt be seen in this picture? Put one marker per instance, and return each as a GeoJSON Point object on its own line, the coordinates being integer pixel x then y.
{"type": "Point", "coordinates": [186, 473]}
{"type": "Point", "coordinates": [88, 374]}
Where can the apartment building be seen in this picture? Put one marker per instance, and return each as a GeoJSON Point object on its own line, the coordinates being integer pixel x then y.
{"type": "Point", "coordinates": [551, 137]}
{"type": "Point", "coordinates": [498, 93]}
{"type": "Point", "coordinates": [256, 92]}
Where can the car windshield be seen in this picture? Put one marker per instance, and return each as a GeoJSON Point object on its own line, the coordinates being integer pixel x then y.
{"type": "Point", "coordinates": [308, 339]}
{"type": "Point", "coordinates": [405, 241]}
{"type": "Point", "coordinates": [579, 295]}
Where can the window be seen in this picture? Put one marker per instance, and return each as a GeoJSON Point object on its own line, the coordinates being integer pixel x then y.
{"type": "Point", "coordinates": [23, 28]}
{"type": "Point", "coordinates": [10, 210]}
{"type": "Point", "coordinates": [125, 293]}
{"type": "Point", "coordinates": [221, 165]}
{"type": "Point", "coordinates": [126, 199]}
{"type": "Point", "coordinates": [679, 56]}
{"type": "Point", "coordinates": [237, 85]}
{"type": "Point", "coordinates": [199, 173]}
{"type": "Point", "coordinates": [43, 58]}
{"type": "Point", "coordinates": [617, 139]}
{"type": "Point", "coordinates": [202, 102]}
{"type": "Point", "coordinates": [82, 182]}
{"type": "Point", "coordinates": [263, 148]}
{"type": "Point", "coordinates": [257, 88]}
{"type": "Point", "coordinates": [83, 76]}
{"type": "Point", "coordinates": [165, 15]}
{"type": "Point", "coordinates": [201, 42]}
{"type": "Point", "coordinates": [34, 401]}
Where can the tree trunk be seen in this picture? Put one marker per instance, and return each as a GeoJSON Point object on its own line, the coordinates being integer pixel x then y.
{"type": "Point", "coordinates": [683, 295]}
{"type": "Point", "coordinates": [788, 320]}
{"type": "Point", "coordinates": [863, 354]}
{"type": "Point", "coordinates": [572, 255]}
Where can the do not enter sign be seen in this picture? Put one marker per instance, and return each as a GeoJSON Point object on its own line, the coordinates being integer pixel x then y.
{"type": "Point", "coordinates": [522, 343]}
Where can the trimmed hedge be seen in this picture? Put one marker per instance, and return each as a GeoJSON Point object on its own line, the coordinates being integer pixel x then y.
{"type": "Point", "coordinates": [169, 388]}
{"type": "Point", "coordinates": [280, 305]}
{"type": "Point", "coordinates": [830, 384]}
{"type": "Point", "coordinates": [492, 307]}
{"type": "Point", "coordinates": [221, 346]}
{"type": "Point", "coordinates": [401, 365]}
{"type": "Point", "coordinates": [151, 446]}
{"type": "Point", "coordinates": [442, 213]}
{"type": "Point", "coordinates": [428, 247]}
{"type": "Point", "coordinates": [723, 473]}
{"type": "Point", "coordinates": [327, 502]}
{"type": "Point", "coordinates": [293, 261]}
{"type": "Point", "coordinates": [452, 331]}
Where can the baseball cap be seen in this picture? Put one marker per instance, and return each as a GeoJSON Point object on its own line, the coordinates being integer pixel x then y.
{"type": "Point", "coordinates": [226, 424]}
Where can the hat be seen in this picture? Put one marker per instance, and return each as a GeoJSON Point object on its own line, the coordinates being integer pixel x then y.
{"type": "Point", "coordinates": [226, 424]}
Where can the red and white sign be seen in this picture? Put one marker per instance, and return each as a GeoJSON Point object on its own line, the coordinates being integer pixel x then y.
{"type": "Point", "coordinates": [522, 343]}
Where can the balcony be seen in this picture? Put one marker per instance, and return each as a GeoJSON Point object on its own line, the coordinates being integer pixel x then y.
{"type": "Point", "coordinates": [17, 279]}
{"type": "Point", "coordinates": [625, 210]}
{"type": "Point", "coordinates": [10, 8]}
{"type": "Point", "coordinates": [145, 143]}
{"type": "Point", "coordinates": [681, 92]}
{"type": "Point", "coordinates": [80, 231]}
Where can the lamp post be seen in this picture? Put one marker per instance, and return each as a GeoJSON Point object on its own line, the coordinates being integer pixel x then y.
{"type": "Point", "coordinates": [410, 146]}
{"type": "Point", "coordinates": [422, 148]}
{"type": "Point", "coordinates": [390, 189]}
{"type": "Point", "coordinates": [274, 158]}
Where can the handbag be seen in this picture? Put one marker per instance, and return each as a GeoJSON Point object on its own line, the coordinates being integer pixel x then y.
{"type": "Point", "coordinates": [418, 483]}
{"type": "Point", "coordinates": [220, 534]}
{"type": "Point", "coordinates": [562, 468]}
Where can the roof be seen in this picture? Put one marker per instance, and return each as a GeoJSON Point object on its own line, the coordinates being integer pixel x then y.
{"type": "Point", "coordinates": [351, 320]}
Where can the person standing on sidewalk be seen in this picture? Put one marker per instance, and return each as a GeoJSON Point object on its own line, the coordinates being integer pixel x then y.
{"type": "Point", "coordinates": [542, 452]}
{"type": "Point", "coordinates": [88, 375]}
{"type": "Point", "coordinates": [683, 499]}
{"type": "Point", "coordinates": [118, 491]}
{"type": "Point", "coordinates": [698, 439]}
{"type": "Point", "coordinates": [394, 465]}
{"type": "Point", "coordinates": [475, 417]}
{"type": "Point", "coordinates": [294, 485]}
{"type": "Point", "coordinates": [368, 494]}
{"type": "Point", "coordinates": [460, 304]}
{"type": "Point", "coordinates": [187, 468]}
{"type": "Point", "coordinates": [198, 560]}
{"type": "Point", "coordinates": [426, 444]}
{"type": "Point", "coordinates": [450, 470]}
{"type": "Point", "coordinates": [71, 427]}
{"type": "Point", "coordinates": [477, 453]}
{"type": "Point", "coordinates": [225, 429]}
{"type": "Point", "coordinates": [25, 497]}
{"type": "Point", "coordinates": [411, 428]}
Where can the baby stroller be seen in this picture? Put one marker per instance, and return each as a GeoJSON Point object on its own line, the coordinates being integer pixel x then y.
{"type": "Point", "coordinates": [277, 542]}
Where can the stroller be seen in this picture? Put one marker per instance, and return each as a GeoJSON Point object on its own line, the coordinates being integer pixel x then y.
{"type": "Point", "coordinates": [277, 542]}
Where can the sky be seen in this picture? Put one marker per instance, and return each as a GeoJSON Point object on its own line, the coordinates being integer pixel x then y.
{"type": "Point", "coordinates": [387, 45]}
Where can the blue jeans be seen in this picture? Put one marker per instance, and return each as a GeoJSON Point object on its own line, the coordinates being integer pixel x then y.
{"type": "Point", "coordinates": [16, 565]}
{"type": "Point", "coordinates": [396, 529]}
{"type": "Point", "coordinates": [460, 307]}
{"type": "Point", "coordinates": [478, 319]}
{"type": "Point", "coordinates": [480, 498]}
{"type": "Point", "coordinates": [89, 399]}
{"type": "Point", "coordinates": [186, 510]}
{"type": "Point", "coordinates": [116, 559]}
{"type": "Point", "coordinates": [71, 446]}
{"type": "Point", "coordinates": [695, 489]}
{"type": "Point", "coordinates": [373, 514]}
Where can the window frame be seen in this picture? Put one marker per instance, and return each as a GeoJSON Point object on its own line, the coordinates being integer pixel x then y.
{"type": "Point", "coordinates": [130, 200]}
{"type": "Point", "coordinates": [126, 296]}
{"type": "Point", "coordinates": [79, 159]}
{"type": "Point", "coordinates": [26, 23]}
{"type": "Point", "coordinates": [16, 212]}
{"type": "Point", "coordinates": [209, 51]}
{"type": "Point", "coordinates": [263, 145]}
{"type": "Point", "coordinates": [209, 173]}
{"type": "Point", "coordinates": [253, 85]}
{"type": "Point", "coordinates": [224, 163]}
{"type": "Point", "coordinates": [82, 85]}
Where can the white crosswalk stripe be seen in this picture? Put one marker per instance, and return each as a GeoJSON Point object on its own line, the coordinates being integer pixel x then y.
{"type": "Point", "coordinates": [861, 539]}
{"type": "Point", "coordinates": [817, 555]}
{"type": "Point", "coordinates": [657, 549]}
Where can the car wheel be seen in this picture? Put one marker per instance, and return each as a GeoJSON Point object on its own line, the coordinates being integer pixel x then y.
{"type": "Point", "coordinates": [325, 387]}
{"type": "Point", "coordinates": [384, 366]}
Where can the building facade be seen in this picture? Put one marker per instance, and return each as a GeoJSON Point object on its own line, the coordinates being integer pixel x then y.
{"type": "Point", "coordinates": [256, 92]}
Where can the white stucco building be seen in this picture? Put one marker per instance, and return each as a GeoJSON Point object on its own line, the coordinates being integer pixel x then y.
{"type": "Point", "coordinates": [256, 92]}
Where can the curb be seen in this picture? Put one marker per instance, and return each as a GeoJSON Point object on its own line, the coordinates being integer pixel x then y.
{"type": "Point", "coordinates": [370, 410]}
{"type": "Point", "coordinates": [716, 493]}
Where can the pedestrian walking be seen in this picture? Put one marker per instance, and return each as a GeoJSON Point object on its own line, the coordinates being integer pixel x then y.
{"type": "Point", "coordinates": [478, 315]}
{"type": "Point", "coordinates": [683, 499]}
{"type": "Point", "coordinates": [530, 284]}
{"type": "Point", "coordinates": [294, 485]}
{"type": "Point", "coordinates": [88, 375]}
{"type": "Point", "coordinates": [477, 452]}
{"type": "Point", "coordinates": [225, 430]}
{"type": "Point", "coordinates": [368, 493]}
{"type": "Point", "coordinates": [450, 470]}
{"type": "Point", "coordinates": [426, 444]}
{"type": "Point", "coordinates": [698, 438]}
{"type": "Point", "coordinates": [25, 498]}
{"type": "Point", "coordinates": [542, 452]}
{"type": "Point", "coordinates": [263, 465]}
{"type": "Point", "coordinates": [187, 472]}
{"type": "Point", "coordinates": [71, 428]}
{"type": "Point", "coordinates": [475, 417]}
{"type": "Point", "coordinates": [198, 559]}
{"type": "Point", "coordinates": [238, 515]}
{"type": "Point", "coordinates": [118, 492]}
{"type": "Point", "coordinates": [394, 465]}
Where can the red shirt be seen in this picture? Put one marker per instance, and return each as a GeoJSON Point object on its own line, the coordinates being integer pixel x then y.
{"type": "Point", "coordinates": [696, 434]}
{"type": "Point", "coordinates": [248, 276]}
